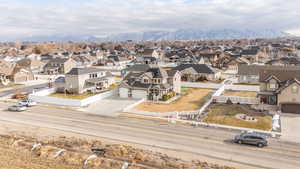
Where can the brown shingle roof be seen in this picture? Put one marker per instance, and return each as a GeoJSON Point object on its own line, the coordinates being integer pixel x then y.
{"type": "Point", "coordinates": [282, 75]}
{"type": "Point", "coordinates": [7, 68]}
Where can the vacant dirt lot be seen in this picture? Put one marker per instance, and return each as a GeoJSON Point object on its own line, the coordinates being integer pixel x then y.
{"type": "Point", "coordinates": [17, 153]}
{"type": "Point", "coordinates": [239, 93]}
{"type": "Point", "coordinates": [225, 114]}
{"type": "Point", "coordinates": [193, 99]}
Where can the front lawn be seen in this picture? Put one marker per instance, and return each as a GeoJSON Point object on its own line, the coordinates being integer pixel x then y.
{"type": "Point", "coordinates": [191, 99]}
{"type": "Point", "coordinates": [72, 96]}
{"type": "Point", "coordinates": [224, 114]}
{"type": "Point", "coordinates": [239, 93]}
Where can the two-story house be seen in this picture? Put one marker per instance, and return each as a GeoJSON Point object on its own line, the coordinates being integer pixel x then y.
{"type": "Point", "coordinates": [81, 80]}
{"type": "Point", "coordinates": [282, 88]}
{"type": "Point", "coordinates": [59, 66]}
{"type": "Point", "coordinates": [151, 84]}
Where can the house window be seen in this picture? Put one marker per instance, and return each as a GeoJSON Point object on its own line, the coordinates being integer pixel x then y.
{"type": "Point", "coordinates": [295, 89]}
{"type": "Point", "coordinates": [145, 80]}
{"type": "Point", "coordinates": [158, 81]}
{"type": "Point", "coordinates": [272, 86]}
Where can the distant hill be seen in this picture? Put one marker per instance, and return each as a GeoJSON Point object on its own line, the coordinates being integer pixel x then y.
{"type": "Point", "coordinates": [192, 34]}
{"type": "Point", "coordinates": [182, 34]}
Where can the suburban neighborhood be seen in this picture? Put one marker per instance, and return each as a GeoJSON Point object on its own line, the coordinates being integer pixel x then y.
{"type": "Point", "coordinates": [220, 90]}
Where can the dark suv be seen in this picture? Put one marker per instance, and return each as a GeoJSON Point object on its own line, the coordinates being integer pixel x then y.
{"type": "Point", "coordinates": [251, 138]}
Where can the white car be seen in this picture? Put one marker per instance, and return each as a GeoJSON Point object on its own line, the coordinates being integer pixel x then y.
{"type": "Point", "coordinates": [27, 103]}
{"type": "Point", "coordinates": [17, 107]}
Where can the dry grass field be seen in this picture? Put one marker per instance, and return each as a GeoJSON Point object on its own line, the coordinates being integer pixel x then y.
{"type": "Point", "coordinates": [20, 156]}
{"type": "Point", "coordinates": [225, 114]}
{"type": "Point", "coordinates": [193, 99]}
{"type": "Point", "coordinates": [240, 93]}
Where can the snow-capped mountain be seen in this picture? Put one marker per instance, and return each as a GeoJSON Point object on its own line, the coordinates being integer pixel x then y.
{"type": "Point", "coordinates": [182, 34]}
{"type": "Point", "coordinates": [192, 34]}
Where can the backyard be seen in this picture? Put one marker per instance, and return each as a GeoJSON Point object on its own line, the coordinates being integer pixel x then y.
{"type": "Point", "coordinates": [81, 96]}
{"type": "Point", "coordinates": [239, 93]}
{"type": "Point", "coordinates": [224, 114]}
{"type": "Point", "coordinates": [191, 99]}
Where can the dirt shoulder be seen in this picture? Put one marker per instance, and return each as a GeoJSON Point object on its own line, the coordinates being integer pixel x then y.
{"type": "Point", "coordinates": [27, 152]}
{"type": "Point", "coordinates": [79, 148]}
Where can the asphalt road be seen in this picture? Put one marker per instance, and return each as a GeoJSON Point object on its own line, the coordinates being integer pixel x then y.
{"type": "Point", "coordinates": [27, 89]}
{"type": "Point", "coordinates": [212, 143]}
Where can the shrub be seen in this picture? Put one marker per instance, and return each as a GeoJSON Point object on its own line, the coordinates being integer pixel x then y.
{"type": "Point", "coordinates": [229, 101]}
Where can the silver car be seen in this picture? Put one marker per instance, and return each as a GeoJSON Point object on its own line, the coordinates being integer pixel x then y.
{"type": "Point", "coordinates": [27, 103]}
{"type": "Point", "coordinates": [17, 108]}
{"type": "Point", "coordinates": [251, 138]}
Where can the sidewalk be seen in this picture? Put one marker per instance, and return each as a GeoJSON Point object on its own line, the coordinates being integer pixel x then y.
{"type": "Point", "coordinates": [34, 82]}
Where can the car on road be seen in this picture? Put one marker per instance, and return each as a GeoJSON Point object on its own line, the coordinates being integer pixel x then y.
{"type": "Point", "coordinates": [17, 108]}
{"type": "Point", "coordinates": [28, 103]}
{"type": "Point", "coordinates": [252, 139]}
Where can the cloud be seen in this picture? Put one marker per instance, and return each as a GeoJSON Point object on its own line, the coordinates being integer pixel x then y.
{"type": "Point", "coordinates": [104, 17]}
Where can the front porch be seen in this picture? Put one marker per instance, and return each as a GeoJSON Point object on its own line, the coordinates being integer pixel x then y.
{"type": "Point", "coordinates": [96, 85]}
{"type": "Point", "coordinates": [156, 93]}
{"type": "Point", "coordinates": [268, 98]}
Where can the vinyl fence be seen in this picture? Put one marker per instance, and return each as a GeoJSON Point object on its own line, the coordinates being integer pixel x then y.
{"type": "Point", "coordinates": [249, 88]}
{"type": "Point", "coordinates": [42, 97]}
{"type": "Point", "coordinates": [201, 85]}
{"type": "Point", "coordinates": [217, 86]}
{"type": "Point", "coordinates": [236, 99]}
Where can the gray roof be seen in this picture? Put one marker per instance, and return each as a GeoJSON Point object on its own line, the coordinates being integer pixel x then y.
{"type": "Point", "coordinates": [80, 71]}
{"type": "Point", "coordinates": [58, 60]}
{"type": "Point", "coordinates": [256, 69]}
{"type": "Point", "coordinates": [199, 68]}
{"type": "Point", "coordinates": [157, 72]}
{"type": "Point", "coordinates": [138, 68]}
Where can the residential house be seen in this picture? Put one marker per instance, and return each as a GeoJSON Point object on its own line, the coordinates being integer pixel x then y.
{"type": "Point", "coordinates": [147, 60]}
{"type": "Point", "coordinates": [10, 72]}
{"type": "Point", "coordinates": [151, 84]}
{"type": "Point", "coordinates": [232, 66]}
{"type": "Point", "coordinates": [137, 68]}
{"type": "Point", "coordinates": [59, 66]}
{"type": "Point", "coordinates": [197, 72]}
{"type": "Point", "coordinates": [32, 64]}
{"type": "Point", "coordinates": [151, 53]}
{"type": "Point", "coordinates": [249, 73]}
{"type": "Point", "coordinates": [81, 80]}
{"type": "Point", "coordinates": [114, 60]}
{"type": "Point", "coordinates": [284, 61]}
{"type": "Point", "coordinates": [282, 88]}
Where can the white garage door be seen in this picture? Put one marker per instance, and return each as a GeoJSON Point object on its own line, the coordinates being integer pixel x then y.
{"type": "Point", "coordinates": [123, 92]}
{"type": "Point", "coordinates": [139, 94]}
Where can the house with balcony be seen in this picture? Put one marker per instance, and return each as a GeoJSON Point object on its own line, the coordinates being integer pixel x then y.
{"type": "Point", "coordinates": [151, 84]}
{"type": "Point", "coordinates": [81, 80]}
{"type": "Point", "coordinates": [281, 88]}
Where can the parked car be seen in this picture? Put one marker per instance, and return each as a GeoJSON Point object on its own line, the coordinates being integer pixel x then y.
{"type": "Point", "coordinates": [27, 103]}
{"type": "Point", "coordinates": [19, 96]}
{"type": "Point", "coordinates": [252, 139]}
{"type": "Point", "coordinates": [17, 108]}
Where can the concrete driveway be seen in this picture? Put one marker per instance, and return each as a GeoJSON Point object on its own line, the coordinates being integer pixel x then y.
{"type": "Point", "coordinates": [111, 106]}
{"type": "Point", "coordinates": [290, 124]}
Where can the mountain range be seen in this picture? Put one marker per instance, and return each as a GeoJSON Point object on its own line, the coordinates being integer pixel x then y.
{"type": "Point", "coordinates": [182, 34]}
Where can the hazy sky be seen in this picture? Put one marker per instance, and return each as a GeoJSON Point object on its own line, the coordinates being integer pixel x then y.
{"type": "Point", "coordinates": [21, 18]}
